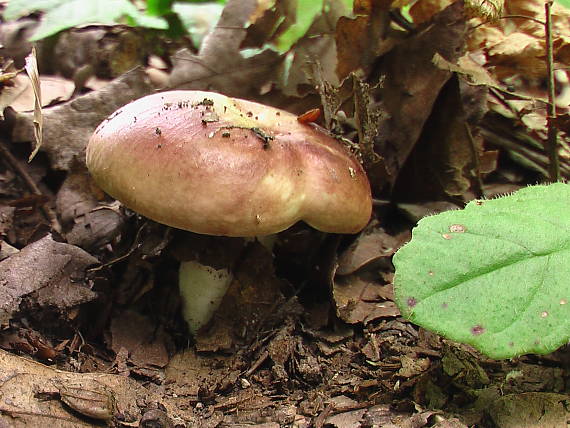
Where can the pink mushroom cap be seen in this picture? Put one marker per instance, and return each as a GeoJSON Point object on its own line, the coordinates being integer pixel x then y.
{"type": "Point", "coordinates": [215, 165]}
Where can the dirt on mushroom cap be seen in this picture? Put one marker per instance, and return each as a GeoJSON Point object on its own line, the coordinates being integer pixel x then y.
{"type": "Point", "coordinates": [211, 164]}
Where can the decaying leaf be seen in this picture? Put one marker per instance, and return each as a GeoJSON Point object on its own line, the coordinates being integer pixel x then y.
{"type": "Point", "coordinates": [54, 89]}
{"type": "Point", "coordinates": [34, 394]}
{"type": "Point", "coordinates": [19, 84]}
{"type": "Point", "coordinates": [86, 222]}
{"type": "Point", "coordinates": [68, 126]}
{"type": "Point", "coordinates": [367, 248]}
{"type": "Point", "coordinates": [445, 161]}
{"type": "Point", "coordinates": [425, 10]}
{"type": "Point", "coordinates": [361, 300]}
{"type": "Point", "coordinates": [220, 65]}
{"type": "Point", "coordinates": [49, 273]}
{"type": "Point", "coordinates": [532, 409]}
{"type": "Point", "coordinates": [96, 403]}
{"type": "Point", "coordinates": [146, 346]}
{"type": "Point", "coordinates": [363, 38]}
{"type": "Point", "coordinates": [407, 96]}
{"type": "Point", "coordinates": [360, 294]}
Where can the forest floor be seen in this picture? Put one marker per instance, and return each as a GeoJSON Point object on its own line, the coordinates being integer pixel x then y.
{"type": "Point", "coordinates": [308, 334]}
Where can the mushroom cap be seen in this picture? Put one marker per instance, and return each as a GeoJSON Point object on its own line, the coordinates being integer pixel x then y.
{"type": "Point", "coordinates": [210, 164]}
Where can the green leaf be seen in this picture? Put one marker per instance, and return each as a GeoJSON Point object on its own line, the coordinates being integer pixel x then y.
{"type": "Point", "coordinates": [307, 11]}
{"type": "Point", "coordinates": [158, 7]}
{"type": "Point", "coordinates": [18, 8]}
{"type": "Point", "coordinates": [495, 275]}
{"type": "Point", "coordinates": [565, 3]}
{"type": "Point", "coordinates": [198, 19]}
{"type": "Point", "coordinates": [63, 14]}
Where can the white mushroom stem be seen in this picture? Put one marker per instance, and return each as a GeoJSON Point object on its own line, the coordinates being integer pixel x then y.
{"type": "Point", "coordinates": [202, 289]}
{"type": "Point", "coordinates": [268, 241]}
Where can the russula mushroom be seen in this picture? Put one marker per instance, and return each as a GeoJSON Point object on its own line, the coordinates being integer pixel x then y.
{"type": "Point", "coordinates": [215, 165]}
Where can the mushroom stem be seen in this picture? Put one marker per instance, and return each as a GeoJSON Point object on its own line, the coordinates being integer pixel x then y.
{"type": "Point", "coordinates": [268, 241]}
{"type": "Point", "coordinates": [202, 289]}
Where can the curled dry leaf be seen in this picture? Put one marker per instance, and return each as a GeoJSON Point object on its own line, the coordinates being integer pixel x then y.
{"type": "Point", "coordinates": [369, 247]}
{"type": "Point", "coordinates": [358, 296]}
{"type": "Point", "coordinates": [32, 70]}
{"type": "Point", "coordinates": [86, 223]}
{"type": "Point", "coordinates": [360, 300]}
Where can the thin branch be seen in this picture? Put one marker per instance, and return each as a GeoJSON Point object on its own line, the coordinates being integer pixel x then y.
{"type": "Point", "coordinates": [480, 192]}
{"type": "Point", "coordinates": [530, 18]}
{"type": "Point", "coordinates": [552, 139]}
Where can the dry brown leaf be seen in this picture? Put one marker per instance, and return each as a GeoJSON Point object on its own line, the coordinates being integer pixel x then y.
{"type": "Point", "coordinates": [145, 343]}
{"type": "Point", "coordinates": [30, 394]}
{"type": "Point", "coordinates": [362, 39]}
{"type": "Point", "coordinates": [86, 223]}
{"type": "Point", "coordinates": [47, 272]}
{"type": "Point", "coordinates": [424, 10]}
{"type": "Point", "coordinates": [19, 85]}
{"type": "Point", "coordinates": [367, 248]}
{"type": "Point", "coordinates": [444, 161]}
{"type": "Point", "coordinates": [412, 84]}
{"type": "Point", "coordinates": [530, 410]}
{"type": "Point", "coordinates": [346, 419]}
{"type": "Point", "coordinates": [34, 75]}
{"type": "Point", "coordinates": [535, 9]}
{"type": "Point", "coordinates": [68, 126]}
{"type": "Point", "coordinates": [359, 300]}
{"type": "Point", "coordinates": [514, 46]}
{"type": "Point", "coordinates": [219, 65]}
{"type": "Point", "coordinates": [54, 89]}
{"type": "Point", "coordinates": [468, 68]}
{"type": "Point", "coordinates": [518, 54]}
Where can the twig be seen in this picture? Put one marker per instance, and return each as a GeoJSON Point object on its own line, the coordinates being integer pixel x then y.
{"type": "Point", "coordinates": [552, 135]}
{"type": "Point", "coordinates": [135, 246]}
{"type": "Point", "coordinates": [480, 192]}
{"type": "Point", "coordinates": [264, 355]}
{"type": "Point", "coordinates": [16, 165]}
{"type": "Point", "coordinates": [322, 417]}
{"type": "Point", "coordinates": [530, 18]}
{"type": "Point", "coordinates": [552, 139]}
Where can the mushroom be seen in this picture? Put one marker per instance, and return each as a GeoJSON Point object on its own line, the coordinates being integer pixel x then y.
{"type": "Point", "coordinates": [216, 165]}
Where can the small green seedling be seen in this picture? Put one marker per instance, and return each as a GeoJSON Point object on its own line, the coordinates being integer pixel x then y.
{"type": "Point", "coordinates": [495, 275]}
